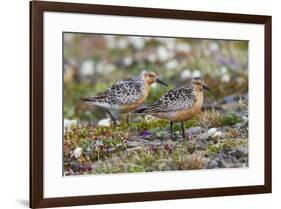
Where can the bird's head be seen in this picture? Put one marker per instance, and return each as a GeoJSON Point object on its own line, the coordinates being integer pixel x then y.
{"type": "Point", "coordinates": [151, 77]}
{"type": "Point", "coordinates": [199, 85]}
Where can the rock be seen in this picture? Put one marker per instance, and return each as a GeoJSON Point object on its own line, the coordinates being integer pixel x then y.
{"type": "Point", "coordinates": [242, 125]}
{"type": "Point", "coordinates": [228, 157]}
{"type": "Point", "coordinates": [74, 166]}
{"type": "Point", "coordinates": [218, 134]}
{"type": "Point", "coordinates": [195, 130]}
{"type": "Point", "coordinates": [204, 137]}
{"type": "Point", "coordinates": [155, 142]}
{"type": "Point", "coordinates": [77, 152]}
{"type": "Point", "coordinates": [211, 131]}
{"type": "Point", "coordinates": [134, 143]}
{"type": "Point", "coordinates": [240, 152]}
{"type": "Point", "coordinates": [133, 149]}
{"type": "Point", "coordinates": [111, 149]}
{"type": "Point", "coordinates": [104, 122]}
{"type": "Point", "coordinates": [234, 106]}
{"type": "Point", "coordinates": [96, 164]}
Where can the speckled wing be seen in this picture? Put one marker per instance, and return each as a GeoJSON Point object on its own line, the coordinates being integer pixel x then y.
{"type": "Point", "coordinates": [125, 92]}
{"type": "Point", "coordinates": [122, 93]}
{"type": "Point", "coordinates": [174, 100]}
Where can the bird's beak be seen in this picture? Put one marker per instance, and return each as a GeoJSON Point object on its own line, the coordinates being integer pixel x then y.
{"type": "Point", "coordinates": [207, 88]}
{"type": "Point", "coordinates": [161, 82]}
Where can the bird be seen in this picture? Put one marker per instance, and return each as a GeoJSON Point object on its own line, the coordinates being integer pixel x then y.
{"type": "Point", "coordinates": [179, 104]}
{"type": "Point", "coordinates": [126, 95]}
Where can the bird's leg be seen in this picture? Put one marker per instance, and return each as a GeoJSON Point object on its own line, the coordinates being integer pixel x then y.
{"type": "Point", "coordinates": [128, 119]}
{"type": "Point", "coordinates": [112, 117]}
{"type": "Point", "coordinates": [183, 132]}
{"type": "Point", "coordinates": [171, 128]}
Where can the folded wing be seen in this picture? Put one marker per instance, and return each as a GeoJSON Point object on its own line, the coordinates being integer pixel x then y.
{"type": "Point", "coordinates": [174, 100]}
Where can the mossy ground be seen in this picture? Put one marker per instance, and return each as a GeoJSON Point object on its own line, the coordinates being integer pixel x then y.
{"type": "Point", "coordinates": [110, 150]}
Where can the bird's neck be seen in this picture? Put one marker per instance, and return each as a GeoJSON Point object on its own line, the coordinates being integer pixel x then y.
{"type": "Point", "coordinates": [147, 86]}
{"type": "Point", "coordinates": [199, 97]}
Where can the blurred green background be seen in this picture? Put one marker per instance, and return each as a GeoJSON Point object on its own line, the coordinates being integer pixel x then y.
{"type": "Point", "coordinates": [94, 62]}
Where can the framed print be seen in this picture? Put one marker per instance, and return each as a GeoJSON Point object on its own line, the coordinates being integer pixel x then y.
{"type": "Point", "coordinates": [138, 104]}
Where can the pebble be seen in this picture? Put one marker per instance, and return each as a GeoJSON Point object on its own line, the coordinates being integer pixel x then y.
{"type": "Point", "coordinates": [104, 122]}
{"type": "Point", "coordinates": [211, 131]}
{"type": "Point", "coordinates": [74, 166]}
{"type": "Point", "coordinates": [195, 130]}
{"type": "Point", "coordinates": [96, 164]}
{"type": "Point", "coordinates": [77, 152]}
{"type": "Point", "coordinates": [218, 134]}
{"type": "Point", "coordinates": [134, 143]}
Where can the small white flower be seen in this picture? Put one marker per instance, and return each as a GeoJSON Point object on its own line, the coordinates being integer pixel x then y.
{"type": "Point", "coordinates": [127, 61]}
{"type": "Point", "coordinates": [196, 73]}
{"type": "Point", "coordinates": [183, 47]}
{"type": "Point", "coordinates": [152, 57]}
{"type": "Point", "coordinates": [172, 64]}
{"type": "Point", "coordinates": [122, 43]}
{"type": "Point", "coordinates": [111, 42]}
{"type": "Point", "coordinates": [225, 78]}
{"type": "Point", "coordinates": [77, 152]}
{"type": "Point", "coordinates": [214, 46]}
{"type": "Point", "coordinates": [68, 123]}
{"type": "Point", "coordinates": [223, 70]}
{"type": "Point", "coordinates": [100, 67]}
{"type": "Point", "coordinates": [104, 68]}
{"type": "Point", "coordinates": [185, 74]}
{"type": "Point", "coordinates": [163, 53]}
{"type": "Point", "coordinates": [137, 42]}
{"type": "Point", "coordinates": [108, 68]}
{"type": "Point", "coordinates": [104, 122]}
{"type": "Point", "coordinates": [87, 68]}
{"type": "Point", "coordinates": [171, 44]}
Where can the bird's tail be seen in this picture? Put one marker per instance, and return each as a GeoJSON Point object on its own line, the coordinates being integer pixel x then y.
{"type": "Point", "coordinates": [140, 110]}
{"type": "Point", "coordinates": [89, 99]}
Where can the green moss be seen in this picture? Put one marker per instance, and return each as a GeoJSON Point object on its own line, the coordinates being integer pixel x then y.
{"type": "Point", "coordinates": [144, 125]}
{"type": "Point", "coordinates": [192, 123]}
{"type": "Point", "coordinates": [224, 144]}
{"type": "Point", "coordinates": [230, 119]}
